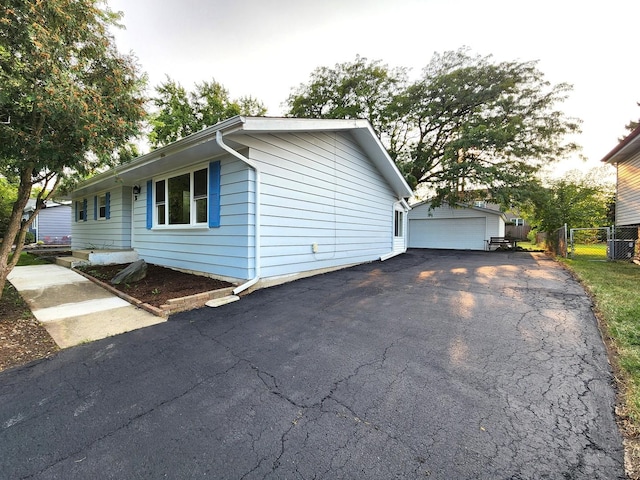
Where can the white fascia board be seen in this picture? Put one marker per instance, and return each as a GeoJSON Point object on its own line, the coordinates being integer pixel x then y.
{"type": "Point", "coordinates": [284, 124]}
{"type": "Point", "coordinates": [205, 135]}
{"type": "Point", "coordinates": [465, 205]}
{"type": "Point", "coordinates": [625, 149]}
{"type": "Point", "coordinates": [627, 152]}
{"type": "Point", "coordinates": [486, 210]}
{"type": "Point", "coordinates": [417, 204]}
{"type": "Point", "coordinates": [372, 145]}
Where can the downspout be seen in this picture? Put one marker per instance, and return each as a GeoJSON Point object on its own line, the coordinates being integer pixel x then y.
{"type": "Point", "coordinates": [255, 168]}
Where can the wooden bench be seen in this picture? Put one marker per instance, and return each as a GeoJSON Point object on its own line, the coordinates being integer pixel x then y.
{"type": "Point", "coordinates": [501, 242]}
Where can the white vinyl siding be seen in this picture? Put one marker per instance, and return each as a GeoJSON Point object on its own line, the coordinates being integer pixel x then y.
{"type": "Point", "coordinates": [225, 251]}
{"type": "Point", "coordinates": [111, 233]}
{"type": "Point", "coordinates": [54, 224]}
{"type": "Point", "coordinates": [495, 227]}
{"type": "Point", "coordinates": [628, 192]}
{"type": "Point", "coordinates": [319, 189]}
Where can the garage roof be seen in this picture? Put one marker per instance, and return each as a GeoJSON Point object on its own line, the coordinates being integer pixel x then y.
{"type": "Point", "coordinates": [465, 205]}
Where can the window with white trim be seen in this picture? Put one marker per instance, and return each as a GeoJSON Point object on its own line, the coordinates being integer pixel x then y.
{"type": "Point", "coordinates": [398, 221]}
{"type": "Point", "coordinates": [81, 210]}
{"type": "Point", "coordinates": [182, 199]}
{"type": "Point", "coordinates": [102, 206]}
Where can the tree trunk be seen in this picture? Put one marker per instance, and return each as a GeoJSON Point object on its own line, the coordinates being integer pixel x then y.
{"type": "Point", "coordinates": [15, 223]}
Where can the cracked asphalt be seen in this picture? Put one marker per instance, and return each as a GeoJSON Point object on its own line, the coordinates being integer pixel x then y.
{"type": "Point", "coordinates": [433, 364]}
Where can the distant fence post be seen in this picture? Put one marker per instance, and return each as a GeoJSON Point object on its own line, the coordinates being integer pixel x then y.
{"type": "Point", "coordinates": [558, 242]}
{"type": "Point", "coordinates": [562, 241]}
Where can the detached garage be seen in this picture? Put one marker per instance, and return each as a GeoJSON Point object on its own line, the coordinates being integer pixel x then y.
{"type": "Point", "coordinates": [460, 228]}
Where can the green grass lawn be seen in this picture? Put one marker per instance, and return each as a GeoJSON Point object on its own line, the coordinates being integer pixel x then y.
{"type": "Point", "coordinates": [29, 259]}
{"type": "Point", "coordinates": [589, 251]}
{"type": "Point", "coordinates": [614, 286]}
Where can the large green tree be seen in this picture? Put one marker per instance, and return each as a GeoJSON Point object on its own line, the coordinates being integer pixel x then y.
{"type": "Point", "coordinates": [578, 199]}
{"type": "Point", "coordinates": [68, 100]}
{"type": "Point", "coordinates": [363, 88]}
{"type": "Point", "coordinates": [469, 124]}
{"type": "Point", "coordinates": [180, 113]}
{"type": "Point", "coordinates": [8, 193]}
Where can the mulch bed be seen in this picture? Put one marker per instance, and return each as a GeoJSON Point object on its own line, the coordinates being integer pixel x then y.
{"type": "Point", "coordinates": [159, 285]}
{"type": "Point", "coordinates": [22, 337]}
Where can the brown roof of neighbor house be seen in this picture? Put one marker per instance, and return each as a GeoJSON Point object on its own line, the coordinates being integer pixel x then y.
{"type": "Point", "coordinates": [625, 149]}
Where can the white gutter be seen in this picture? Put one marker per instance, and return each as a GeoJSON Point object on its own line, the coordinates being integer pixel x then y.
{"type": "Point", "coordinates": [254, 166]}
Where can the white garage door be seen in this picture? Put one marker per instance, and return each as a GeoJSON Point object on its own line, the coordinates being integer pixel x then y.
{"type": "Point", "coordinates": [458, 234]}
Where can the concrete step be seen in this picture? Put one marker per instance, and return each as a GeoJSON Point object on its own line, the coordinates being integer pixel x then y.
{"type": "Point", "coordinates": [97, 257]}
{"type": "Point", "coordinates": [107, 257]}
{"type": "Point", "coordinates": [82, 254]}
{"type": "Point", "coordinates": [70, 262]}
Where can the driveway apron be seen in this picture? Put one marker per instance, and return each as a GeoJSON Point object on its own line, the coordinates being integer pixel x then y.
{"type": "Point", "coordinates": [433, 364]}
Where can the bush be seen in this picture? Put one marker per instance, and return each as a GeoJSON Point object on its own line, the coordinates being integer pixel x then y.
{"type": "Point", "coordinates": [29, 238]}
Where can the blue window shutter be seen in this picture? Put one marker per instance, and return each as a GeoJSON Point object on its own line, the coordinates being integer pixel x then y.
{"type": "Point", "coordinates": [76, 204]}
{"type": "Point", "coordinates": [108, 205]}
{"type": "Point", "coordinates": [95, 208]}
{"type": "Point", "coordinates": [214, 194]}
{"type": "Point", "coordinates": [84, 208]}
{"type": "Point", "coordinates": [149, 205]}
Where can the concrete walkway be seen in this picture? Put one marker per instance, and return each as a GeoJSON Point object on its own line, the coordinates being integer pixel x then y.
{"type": "Point", "coordinates": [73, 309]}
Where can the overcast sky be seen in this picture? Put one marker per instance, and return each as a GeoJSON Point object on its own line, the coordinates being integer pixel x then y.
{"type": "Point", "coordinates": [264, 48]}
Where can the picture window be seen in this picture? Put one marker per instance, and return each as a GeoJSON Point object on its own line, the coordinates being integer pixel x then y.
{"type": "Point", "coordinates": [182, 200]}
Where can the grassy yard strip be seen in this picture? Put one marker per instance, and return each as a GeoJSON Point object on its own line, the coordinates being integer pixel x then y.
{"type": "Point", "coordinates": [614, 287]}
{"type": "Point", "coordinates": [27, 259]}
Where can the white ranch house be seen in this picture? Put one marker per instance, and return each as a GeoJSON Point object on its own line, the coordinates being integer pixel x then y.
{"type": "Point", "coordinates": [252, 200]}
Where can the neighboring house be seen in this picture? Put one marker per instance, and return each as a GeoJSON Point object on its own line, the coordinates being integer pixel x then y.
{"type": "Point", "coordinates": [461, 228]}
{"type": "Point", "coordinates": [626, 158]}
{"type": "Point", "coordinates": [52, 225]}
{"type": "Point", "coordinates": [516, 227]}
{"type": "Point", "coordinates": [252, 199]}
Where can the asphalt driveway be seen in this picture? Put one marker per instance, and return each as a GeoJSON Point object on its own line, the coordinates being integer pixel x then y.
{"type": "Point", "coordinates": [440, 365]}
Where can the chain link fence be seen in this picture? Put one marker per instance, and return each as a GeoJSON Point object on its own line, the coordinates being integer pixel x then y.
{"type": "Point", "coordinates": [589, 243]}
{"type": "Point", "coordinates": [623, 244]}
{"type": "Point", "coordinates": [603, 243]}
